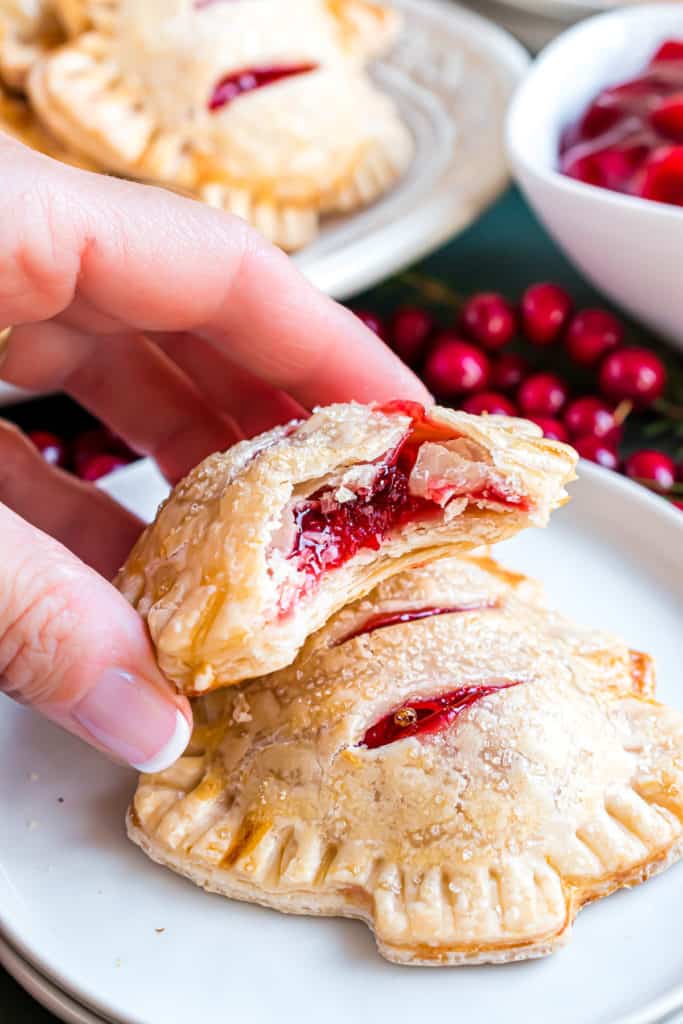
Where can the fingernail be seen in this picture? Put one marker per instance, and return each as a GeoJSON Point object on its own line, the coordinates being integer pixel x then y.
{"type": "Point", "coordinates": [5, 336]}
{"type": "Point", "coordinates": [133, 720]}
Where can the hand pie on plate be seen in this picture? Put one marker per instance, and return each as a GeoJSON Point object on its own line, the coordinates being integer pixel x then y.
{"type": "Point", "coordinates": [263, 109]}
{"type": "Point", "coordinates": [259, 546]}
{"type": "Point", "coordinates": [446, 760]}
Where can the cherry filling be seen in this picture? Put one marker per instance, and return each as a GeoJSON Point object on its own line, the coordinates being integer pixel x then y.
{"type": "Point", "coordinates": [630, 138]}
{"type": "Point", "coordinates": [426, 717]}
{"type": "Point", "coordinates": [248, 79]}
{"type": "Point", "coordinates": [328, 532]}
{"type": "Point", "coordinates": [384, 619]}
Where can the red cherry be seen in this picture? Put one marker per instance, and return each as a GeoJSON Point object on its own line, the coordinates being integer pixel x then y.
{"type": "Point", "coordinates": [490, 402]}
{"type": "Point", "coordinates": [667, 117]}
{"type": "Point", "coordinates": [489, 319]}
{"type": "Point", "coordinates": [592, 333]}
{"type": "Point", "coordinates": [53, 449]}
{"type": "Point", "coordinates": [553, 429]}
{"type": "Point", "coordinates": [590, 415]}
{"type": "Point", "coordinates": [508, 371]}
{"type": "Point", "coordinates": [90, 442]}
{"type": "Point", "coordinates": [542, 394]}
{"type": "Point", "coordinates": [636, 374]}
{"type": "Point", "coordinates": [611, 167]}
{"type": "Point", "coordinates": [653, 467]}
{"type": "Point", "coordinates": [597, 450]}
{"type": "Point", "coordinates": [372, 321]}
{"type": "Point", "coordinates": [678, 504]}
{"type": "Point", "coordinates": [409, 331]}
{"type": "Point", "coordinates": [93, 467]}
{"type": "Point", "coordinates": [545, 311]}
{"type": "Point", "coordinates": [672, 49]}
{"type": "Point", "coordinates": [454, 366]}
{"type": "Point", "coordinates": [662, 176]}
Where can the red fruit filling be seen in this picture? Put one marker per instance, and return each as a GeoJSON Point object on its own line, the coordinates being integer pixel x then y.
{"type": "Point", "coordinates": [384, 619]}
{"type": "Point", "coordinates": [330, 529]}
{"type": "Point", "coordinates": [426, 717]}
{"type": "Point", "coordinates": [248, 79]}
{"type": "Point", "coordinates": [627, 138]}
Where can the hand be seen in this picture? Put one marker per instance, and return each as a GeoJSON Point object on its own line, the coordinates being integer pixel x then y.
{"type": "Point", "coordinates": [183, 331]}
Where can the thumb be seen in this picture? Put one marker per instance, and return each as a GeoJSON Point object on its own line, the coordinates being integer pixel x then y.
{"type": "Point", "coordinates": [72, 648]}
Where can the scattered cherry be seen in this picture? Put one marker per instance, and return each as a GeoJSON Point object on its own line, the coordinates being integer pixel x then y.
{"type": "Point", "coordinates": [653, 467]}
{"type": "Point", "coordinates": [53, 449]}
{"type": "Point", "coordinates": [489, 319]}
{"type": "Point", "coordinates": [553, 429]}
{"type": "Point", "coordinates": [455, 366]}
{"type": "Point", "coordinates": [597, 450]}
{"type": "Point", "coordinates": [590, 415]}
{"type": "Point", "coordinates": [372, 321]}
{"type": "Point", "coordinates": [490, 402]}
{"type": "Point", "coordinates": [542, 394]}
{"type": "Point", "coordinates": [409, 332]}
{"type": "Point", "coordinates": [93, 467]}
{"type": "Point", "coordinates": [593, 333]}
{"type": "Point", "coordinates": [545, 311]}
{"type": "Point", "coordinates": [508, 371]}
{"type": "Point", "coordinates": [97, 441]}
{"type": "Point", "coordinates": [636, 374]}
{"type": "Point", "coordinates": [678, 504]}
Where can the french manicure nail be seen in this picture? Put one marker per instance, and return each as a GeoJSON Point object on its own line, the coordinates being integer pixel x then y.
{"type": "Point", "coordinates": [131, 718]}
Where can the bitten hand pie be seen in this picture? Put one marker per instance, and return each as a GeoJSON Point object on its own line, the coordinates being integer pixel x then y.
{"type": "Point", "coordinates": [446, 760]}
{"type": "Point", "coordinates": [263, 109]}
{"type": "Point", "coordinates": [259, 546]}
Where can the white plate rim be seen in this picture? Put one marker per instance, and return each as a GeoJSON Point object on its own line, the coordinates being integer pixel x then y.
{"type": "Point", "coordinates": [44, 991]}
{"type": "Point", "coordinates": [47, 978]}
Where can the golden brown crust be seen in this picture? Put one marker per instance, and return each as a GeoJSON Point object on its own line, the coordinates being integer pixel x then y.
{"type": "Point", "coordinates": [479, 843]}
{"type": "Point", "coordinates": [214, 577]}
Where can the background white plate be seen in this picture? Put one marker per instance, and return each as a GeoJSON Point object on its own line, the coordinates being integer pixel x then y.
{"type": "Point", "coordinates": [84, 906]}
{"type": "Point", "coordinates": [451, 76]}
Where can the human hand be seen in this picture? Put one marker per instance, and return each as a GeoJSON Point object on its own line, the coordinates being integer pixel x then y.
{"type": "Point", "coordinates": [181, 330]}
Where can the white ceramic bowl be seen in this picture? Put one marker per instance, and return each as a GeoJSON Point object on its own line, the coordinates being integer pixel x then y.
{"type": "Point", "coordinates": [631, 249]}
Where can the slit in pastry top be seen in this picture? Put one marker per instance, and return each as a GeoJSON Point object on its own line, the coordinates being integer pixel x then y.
{"type": "Point", "coordinates": [427, 716]}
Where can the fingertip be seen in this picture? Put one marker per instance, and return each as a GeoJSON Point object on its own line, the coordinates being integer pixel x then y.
{"type": "Point", "coordinates": [173, 748]}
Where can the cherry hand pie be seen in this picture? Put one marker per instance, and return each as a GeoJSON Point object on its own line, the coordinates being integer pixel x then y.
{"type": "Point", "coordinates": [259, 546]}
{"type": "Point", "coordinates": [263, 109]}
{"type": "Point", "coordinates": [447, 760]}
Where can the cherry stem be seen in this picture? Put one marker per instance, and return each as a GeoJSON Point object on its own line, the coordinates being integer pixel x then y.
{"type": "Point", "coordinates": [432, 289]}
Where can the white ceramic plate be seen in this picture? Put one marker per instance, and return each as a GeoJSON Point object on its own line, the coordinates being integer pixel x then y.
{"type": "Point", "coordinates": [83, 905]}
{"type": "Point", "coordinates": [42, 990]}
{"type": "Point", "coordinates": [452, 76]}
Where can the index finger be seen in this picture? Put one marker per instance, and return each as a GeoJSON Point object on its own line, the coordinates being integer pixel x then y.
{"type": "Point", "coordinates": [158, 262]}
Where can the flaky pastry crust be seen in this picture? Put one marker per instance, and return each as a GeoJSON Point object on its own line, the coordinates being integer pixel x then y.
{"type": "Point", "coordinates": [260, 545]}
{"type": "Point", "coordinates": [140, 93]}
{"type": "Point", "coordinates": [478, 841]}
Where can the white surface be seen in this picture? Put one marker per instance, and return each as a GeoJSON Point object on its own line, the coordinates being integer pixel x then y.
{"type": "Point", "coordinates": [452, 76]}
{"type": "Point", "coordinates": [83, 904]}
{"type": "Point", "coordinates": [630, 248]}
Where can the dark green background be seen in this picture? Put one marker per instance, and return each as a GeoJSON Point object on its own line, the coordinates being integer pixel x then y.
{"type": "Point", "coordinates": [505, 250]}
